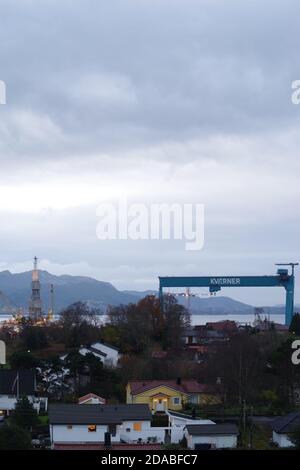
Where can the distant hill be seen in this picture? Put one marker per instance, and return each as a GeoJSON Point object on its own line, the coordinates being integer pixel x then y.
{"type": "Point", "coordinates": [6, 306]}
{"type": "Point", "coordinates": [15, 293]}
{"type": "Point", "coordinates": [68, 289]}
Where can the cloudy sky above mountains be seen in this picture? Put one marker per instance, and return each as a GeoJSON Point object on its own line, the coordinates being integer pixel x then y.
{"type": "Point", "coordinates": [173, 101]}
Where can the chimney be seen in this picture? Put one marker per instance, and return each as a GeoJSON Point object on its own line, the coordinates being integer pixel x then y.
{"type": "Point", "coordinates": [178, 381]}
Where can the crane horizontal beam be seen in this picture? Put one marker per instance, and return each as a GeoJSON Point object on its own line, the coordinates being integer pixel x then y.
{"type": "Point", "coordinates": [215, 283]}
{"type": "Point", "coordinates": [225, 281]}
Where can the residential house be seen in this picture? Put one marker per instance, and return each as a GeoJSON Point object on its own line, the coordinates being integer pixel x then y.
{"type": "Point", "coordinates": [17, 383]}
{"type": "Point", "coordinates": [206, 334]}
{"type": "Point", "coordinates": [178, 422]}
{"type": "Point", "coordinates": [109, 355]}
{"type": "Point", "coordinates": [213, 436]}
{"type": "Point", "coordinates": [228, 326]}
{"type": "Point", "coordinates": [283, 426]}
{"type": "Point", "coordinates": [163, 395]}
{"type": "Point", "coordinates": [72, 424]}
{"type": "Point", "coordinates": [91, 399]}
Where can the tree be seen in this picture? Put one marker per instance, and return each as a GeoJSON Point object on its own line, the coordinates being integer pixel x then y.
{"type": "Point", "coordinates": [295, 324]}
{"type": "Point", "coordinates": [79, 325]}
{"type": "Point", "coordinates": [23, 360]}
{"type": "Point", "coordinates": [13, 437]}
{"type": "Point", "coordinates": [24, 415]}
{"type": "Point", "coordinates": [240, 364]}
{"type": "Point", "coordinates": [295, 437]}
{"type": "Point", "coordinates": [33, 337]}
{"type": "Point", "coordinates": [138, 326]}
{"type": "Point", "coordinates": [286, 374]}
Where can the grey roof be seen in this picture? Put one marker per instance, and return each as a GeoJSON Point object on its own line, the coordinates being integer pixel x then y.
{"type": "Point", "coordinates": [176, 414]}
{"type": "Point", "coordinates": [286, 424]}
{"type": "Point", "coordinates": [108, 345]}
{"type": "Point", "coordinates": [97, 414]}
{"type": "Point", "coordinates": [211, 429]}
{"type": "Point", "coordinates": [9, 382]}
{"type": "Point", "coordinates": [96, 351]}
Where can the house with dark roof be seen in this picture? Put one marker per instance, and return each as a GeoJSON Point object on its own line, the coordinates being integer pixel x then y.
{"type": "Point", "coordinates": [17, 383]}
{"type": "Point", "coordinates": [283, 426]}
{"type": "Point", "coordinates": [211, 436]}
{"type": "Point", "coordinates": [108, 354]}
{"type": "Point", "coordinates": [73, 424]}
{"type": "Point", "coordinates": [178, 422]}
{"type": "Point", "coordinates": [163, 395]}
{"type": "Point", "coordinates": [217, 332]}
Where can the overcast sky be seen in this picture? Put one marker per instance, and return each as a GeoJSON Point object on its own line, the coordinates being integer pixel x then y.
{"type": "Point", "coordinates": [159, 101]}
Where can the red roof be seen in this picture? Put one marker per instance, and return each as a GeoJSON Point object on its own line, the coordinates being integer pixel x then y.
{"type": "Point", "coordinates": [185, 386]}
{"type": "Point", "coordinates": [115, 446]}
{"type": "Point", "coordinates": [89, 396]}
{"type": "Point", "coordinates": [224, 325]}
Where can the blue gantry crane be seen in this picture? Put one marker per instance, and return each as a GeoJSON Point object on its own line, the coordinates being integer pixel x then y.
{"type": "Point", "coordinates": [283, 278]}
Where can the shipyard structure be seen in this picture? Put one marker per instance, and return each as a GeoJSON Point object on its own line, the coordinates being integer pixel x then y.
{"type": "Point", "coordinates": [35, 304]}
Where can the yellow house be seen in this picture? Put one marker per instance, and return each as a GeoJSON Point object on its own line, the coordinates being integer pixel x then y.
{"type": "Point", "coordinates": [162, 395]}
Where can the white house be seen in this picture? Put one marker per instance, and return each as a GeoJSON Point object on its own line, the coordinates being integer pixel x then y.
{"type": "Point", "coordinates": [14, 384]}
{"type": "Point", "coordinates": [109, 355]}
{"type": "Point", "coordinates": [214, 436]}
{"type": "Point", "coordinates": [283, 426]}
{"type": "Point", "coordinates": [84, 425]}
{"type": "Point", "coordinates": [178, 422]}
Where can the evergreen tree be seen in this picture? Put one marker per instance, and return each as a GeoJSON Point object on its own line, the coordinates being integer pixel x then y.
{"type": "Point", "coordinates": [295, 324]}
{"type": "Point", "coordinates": [13, 437]}
{"type": "Point", "coordinates": [24, 415]}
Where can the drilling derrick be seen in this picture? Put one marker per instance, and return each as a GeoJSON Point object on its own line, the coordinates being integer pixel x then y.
{"type": "Point", "coordinates": [35, 305]}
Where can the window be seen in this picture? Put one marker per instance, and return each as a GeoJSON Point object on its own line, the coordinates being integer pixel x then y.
{"type": "Point", "coordinates": [69, 426]}
{"type": "Point", "coordinates": [92, 428]}
{"type": "Point", "coordinates": [176, 401]}
{"type": "Point", "coordinates": [137, 426]}
{"type": "Point", "coordinates": [127, 429]}
{"type": "Point", "coordinates": [193, 398]}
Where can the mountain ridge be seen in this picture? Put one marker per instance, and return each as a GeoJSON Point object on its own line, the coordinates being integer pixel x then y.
{"type": "Point", "coordinates": [15, 290]}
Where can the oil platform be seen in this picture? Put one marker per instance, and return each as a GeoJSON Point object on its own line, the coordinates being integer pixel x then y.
{"type": "Point", "coordinates": [35, 304]}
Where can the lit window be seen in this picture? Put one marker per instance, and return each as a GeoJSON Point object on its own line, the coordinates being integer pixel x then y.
{"type": "Point", "coordinates": [137, 426]}
{"type": "Point", "coordinates": [92, 428]}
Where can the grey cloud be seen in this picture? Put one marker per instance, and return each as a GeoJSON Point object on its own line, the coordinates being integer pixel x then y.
{"type": "Point", "coordinates": [180, 100]}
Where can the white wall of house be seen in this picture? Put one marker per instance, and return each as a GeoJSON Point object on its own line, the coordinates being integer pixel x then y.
{"type": "Point", "coordinates": [78, 433]}
{"type": "Point", "coordinates": [219, 442]}
{"type": "Point", "coordinates": [112, 357]}
{"type": "Point", "coordinates": [282, 440]}
{"type": "Point", "coordinates": [177, 425]}
{"type": "Point", "coordinates": [128, 434]}
{"type": "Point", "coordinates": [125, 431]}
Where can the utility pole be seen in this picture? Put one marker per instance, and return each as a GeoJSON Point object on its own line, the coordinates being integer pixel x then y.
{"type": "Point", "coordinates": [251, 428]}
{"type": "Point", "coordinates": [244, 415]}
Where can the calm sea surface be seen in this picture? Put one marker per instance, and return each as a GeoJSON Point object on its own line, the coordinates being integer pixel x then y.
{"type": "Point", "coordinates": [202, 319]}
